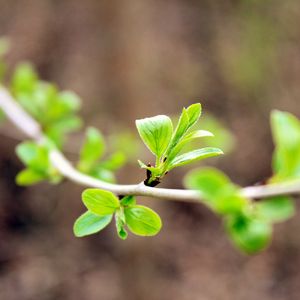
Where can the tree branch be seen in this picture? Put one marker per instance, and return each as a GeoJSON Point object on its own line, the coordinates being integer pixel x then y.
{"type": "Point", "coordinates": [32, 129]}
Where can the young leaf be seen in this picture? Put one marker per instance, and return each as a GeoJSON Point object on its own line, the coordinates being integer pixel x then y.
{"type": "Point", "coordinates": [156, 133]}
{"type": "Point", "coordinates": [102, 174]}
{"type": "Point", "coordinates": [120, 224]}
{"type": "Point", "coordinates": [27, 152]}
{"type": "Point", "coordinates": [33, 155]}
{"type": "Point", "coordinates": [180, 130]}
{"type": "Point", "coordinates": [194, 113]}
{"type": "Point", "coordinates": [185, 140]}
{"type": "Point", "coordinates": [217, 189]}
{"type": "Point", "coordinates": [128, 200]}
{"type": "Point", "coordinates": [92, 149]}
{"type": "Point", "coordinates": [276, 209]}
{"type": "Point", "coordinates": [100, 202]}
{"type": "Point", "coordinates": [250, 235]}
{"type": "Point", "coordinates": [142, 220]}
{"type": "Point", "coordinates": [114, 162]}
{"type": "Point", "coordinates": [192, 156]}
{"type": "Point", "coordinates": [24, 78]}
{"type": "Point", "coordinates": [188, 118]}
{"type": "Point", "coordinates": [69, 101]}
{"type": "Point", "coordinates": [286, 134]}
{"type": "Point", "coordinates": [29, 176]}
{"type": "Point", "coordinates": [90, 223]}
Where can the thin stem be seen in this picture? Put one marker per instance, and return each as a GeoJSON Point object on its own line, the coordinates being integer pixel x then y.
{"type": "Point", "coordinates": [32, 129]}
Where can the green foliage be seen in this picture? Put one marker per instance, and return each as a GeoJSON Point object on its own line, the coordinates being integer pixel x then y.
{"type": "Point", "coordinates": [156, 133]}
{"type": "Point", "coordinates": [90, 223]}
{"type": "Point", "coordinates": [223, 138]}
{"type": "Point", "coordinates": [92, 149]}
{"type": "Point", "coordinates": [91, 157]}
{"type": "Point", "coordinates": [276, 209]}
{"type": "Point", "coordinates": [248, 224]}
{"type": "Point", "coordinates": [36, 159]}
{"type": "Point", "coordinates": [286, 135]}
{"type": "Point", "coordinates": [249, 234]}
{"type": "Point", "coordinates": [166, 144]}
{"type": "Point", "coordinates": [219, 193]}
{"type": "Point", "coordinates": [101, 206]}
{"type": "Point", "coordinates": [142, 220]}
{"type": "Point", "coordinates": [54, 110]}
{"type": "Point", "coordinates": [100, 202]}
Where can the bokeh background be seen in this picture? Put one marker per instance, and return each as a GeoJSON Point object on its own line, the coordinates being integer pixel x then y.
{"type": "Point", "coordinates": [128, 60]}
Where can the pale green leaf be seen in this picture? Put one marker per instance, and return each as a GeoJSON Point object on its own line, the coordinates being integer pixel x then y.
{"type": "Point", "coordinates": [194, 113]}
{"type": "Point", "coordinates": [33, 155]}
{"type": "Point", "coordinates": [120, 224]}
{"type": "Point", "coordinates": [29, 177]}
{"type": "Point", "coordinates": [24, 78]}
{"type": "Point", "coordinates": [92, 149]}
{"type": "Point", "coordinates": [185, 140]}
{"type": "Point", "coordinates": [217, 190]}
{"type": "Point", "coordinates": [90, 223]}
{"type": "Point", "coordinates": [128, 200]}
{"type": "Point", "coordinates": [114, 161]}
{"type": "Point", "coordinates": [286, 134]}
{"type": "Point", "coordinates": [156, 133]}
{"type": "Point", "coordinates": [249, 235]}
{"type": "Point", "coordinates": [277, 209]}
{"type": "Point", "coordinates": [195, 155]}
{"type": "Point", "coordinates": [100, 202]}
{"type": "Point", "coordinates": [142, 220]}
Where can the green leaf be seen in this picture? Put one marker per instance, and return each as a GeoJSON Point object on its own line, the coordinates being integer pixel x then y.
{"type": "Point", "coordinates": [29, 176]}
{"type": "Point", "coordinates": [181, 128]}
{"type": "Point", "coordinates": [194, 113]}
{"type": "Point", "coordinates": [24, 78]}
{"type": "Point", "coordinates": [156, 133]}
{"type": "Point", "coordinates": [128, 200]}
{"type": "Point", "coordinates": [114, 162]}
{"type": "Point", "coordinates": [195, 155]}
{"type": "Point", "coordinates": [185, 140]}
{"type": "Point", "coordinates": [102, 174]}
{"type": "Point", "coordinates": [286, 134]}
{"type": "Point", "coordinates": [188, 118]}
{"type": "Point", "coordinates": [100, 202]}
{"type": "Point", "coordinates": [142, 220]}
{"type": "Point", "coordinates": [33, 155]}
{"type": "Point", "coordinates": [276, 209]}
{"type": "Point", "coordinates": [250, 235]}
{"type": "Point", "coordinates": [69, 101]}
{"type": "Point", "coordinates": [90, 223]}
{"type": "Point", "coordinates": [120, 224]}
{"type": "Point", "coordinates": [92, 149]}
{"type": "Point", "coordinates": [217, 190]}
{"type": "Point", "coordinates": [27, 152]}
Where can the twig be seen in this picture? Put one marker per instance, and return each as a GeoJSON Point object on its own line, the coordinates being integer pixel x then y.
{"type": "Point", "coordinates": [32, 129]}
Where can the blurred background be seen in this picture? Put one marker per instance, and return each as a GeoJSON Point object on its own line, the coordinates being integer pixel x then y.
{"type": "Point", "coordinates": [129, 60]}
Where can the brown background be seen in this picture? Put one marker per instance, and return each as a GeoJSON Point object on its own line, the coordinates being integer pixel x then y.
{"type": "Point", "coordinates": [131, 59]}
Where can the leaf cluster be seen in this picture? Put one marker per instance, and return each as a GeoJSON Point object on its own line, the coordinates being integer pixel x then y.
{"type": "Point", "coordinates": [103, 205]}
{"type": "Point", "coordinates": [248, 223]}
{"type": "Point", "coordinates": [166, 144]}
{"type": "Point", "coordinates": [55, 110]}
{"type": "Point", "coordinates": [38, 167]}
{"type": "Point", "coordinates": [91, 157]}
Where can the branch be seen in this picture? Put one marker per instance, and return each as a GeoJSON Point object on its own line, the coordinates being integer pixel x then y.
{"type": "Point", "coordinates": [32, 129]}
